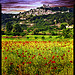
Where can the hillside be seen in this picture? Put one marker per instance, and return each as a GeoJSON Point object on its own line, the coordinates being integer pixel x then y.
{"type": "Point", "coordinates": [41, 17]}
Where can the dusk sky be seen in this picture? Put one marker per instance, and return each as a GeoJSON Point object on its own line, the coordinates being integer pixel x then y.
{"type": "Point", "coordinates": [16, 6]}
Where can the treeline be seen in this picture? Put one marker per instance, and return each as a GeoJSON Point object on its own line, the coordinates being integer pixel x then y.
{"type": "Point", "coordinates": [46, 20]}
{"type": "Point", "coordinates": [57, 9]}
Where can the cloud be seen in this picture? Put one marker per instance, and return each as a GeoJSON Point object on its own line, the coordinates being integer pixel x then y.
{"type": "Point", "coordinates": [22, 5]}
{"type": "Point", "coordinates": [67, 3]}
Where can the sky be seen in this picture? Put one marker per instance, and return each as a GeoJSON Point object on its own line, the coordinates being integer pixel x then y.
{"type": "Point", "coordinates": [16, 6]}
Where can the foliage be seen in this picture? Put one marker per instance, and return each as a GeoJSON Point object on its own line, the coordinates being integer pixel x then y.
{"type": "Point", "coordinates": [9, 26]}
{"type": "Point", "coordinates": [53, 33]}
{"type": "Point", "coordinates": [16, 33]}
{"type": "Point", "coordinates": [22, 33]}
{"type": "Point", "coordinates": [36, 31]}
{"type": "Point", "coordinates": [67, 33]}
{"type": "Point", "coordinates": [37, 57]}
{"type": "Point", "coordinates": [43, 37]}
{"type": "Point", "coordinates": [63, 25]}
{"type": "Point", "coordinates": [17, 28]}
{"type": "Point", "coordinates": [2, 32]}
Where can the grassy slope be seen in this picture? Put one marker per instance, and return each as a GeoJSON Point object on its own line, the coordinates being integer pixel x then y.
{"type": "Point", "coordinates": [32, 38]}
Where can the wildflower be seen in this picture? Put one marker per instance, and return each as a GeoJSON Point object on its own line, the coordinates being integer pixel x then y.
{"type": "Point", "coordinates": [63, 54]}
{"type": "Point", "coordinates": [22, 53]}
{"type": "Point", "coordinates": [46, 64]}
{"type": "Point", "coordinates": [70, 61]}
{"type": "Point", "coordinates": [53, 62]}
{"type": "Point", "coordinates": [30, 62]}
{"type": "Point", "coordinates": [51, 68]}
{"type": "Point", "coordinates": [25, 51]}
{"type": "Point", "coordinates": [29, 56]}
{"type": "Point", "coordinates": [23, 63]}
{"type": "Point", "coordinates": [45, 58]}
{"type": "Point", "coordinates": [53, 57]}
{"type": "Point", "coordinates": [32, 57]}
{"type": "Point", "coordinates": [57, 56]}
{"type": "Point", "coordinates": [5, 57]}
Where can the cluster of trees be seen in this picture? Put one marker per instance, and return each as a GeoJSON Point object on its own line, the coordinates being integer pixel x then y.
{"type": "Point", "coordinates": [13, 29]}
{"type": "Point", "coordinates": [57, 9]}
{"type": "Point", "coordinates": [44, 21]}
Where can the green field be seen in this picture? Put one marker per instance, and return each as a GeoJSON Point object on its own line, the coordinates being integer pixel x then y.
{"type": "Point", "coordinates": [32, 38]}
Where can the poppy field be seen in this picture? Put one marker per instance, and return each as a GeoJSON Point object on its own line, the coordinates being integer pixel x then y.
{"type": "Point", "coordinates": [37, 57]}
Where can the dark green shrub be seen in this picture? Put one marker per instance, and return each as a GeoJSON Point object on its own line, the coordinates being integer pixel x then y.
{"type": "Point", "coordinates": [68, 33]}
{"type": "Point", "coordinates": [27, 37]}
{"type": "Point", "coordinates": [43, 37]}
{"type": "Point", "coordinates": [36, 37]}
{"type": "Point", "coordinates": [22, 34]}
{"type": "Point", "coordinates": [36, 31]}
{"type": "Point", "coordinates": [8, 33]}
{"type": "Point", "coordinates": [53, 33]}
{"type": "Point", "coordinates": [2, 33]}
{"type": "Point", "coordinates": [16, 33]}
{"type": "Point", "coordinates": [50, 36]}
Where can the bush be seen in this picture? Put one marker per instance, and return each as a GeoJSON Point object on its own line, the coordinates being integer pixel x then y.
{"type": "Point", "coordinates": [36, 31]}
{"type": "Point", "coordinates": [44, 33]}
{"type": "Point", "coordinates": [22, 34]}
{"type": "Point", "coordinates": [36, 37]}
{"type": "Point", "coordinates": [53, 33]}
{"type": "Point", "coordinates": [16, 33]}
{"type": "Point", "coordinates": [50, 36]}
{"type": "Point", "coordinates": [2, 33]}
{"type": "Point", "coordinates": [27, 37]}
{"type": "Point", "coordinates": [43, 37]}
{"type": "Point", "coordinates": [8, 33]}
{"type": "Point", "coordinates": [68, 33]}
{"type": "Point", "coordinates": [63, 25]}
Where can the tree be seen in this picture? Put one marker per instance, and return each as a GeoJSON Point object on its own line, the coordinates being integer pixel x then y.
{"type": "Point", "coordinates": [17, 28]}
{"type": "Point", "coordinates": [67, 33]}
{"type": "Point", "coordinates": [9, 27]}
{"type": "Point", "coordinates": [36, 31]}
{"type": "Point", "coordinates": [63, 25]}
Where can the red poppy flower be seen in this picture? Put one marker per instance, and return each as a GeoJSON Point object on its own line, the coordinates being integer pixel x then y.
{"type": "Point", "coordinates": [53, 62]}
{"type": "Point", "coordinates": [29, 56]}
{"type": "Point", "coordinates": [22, 53]}
{"type": "Point", "coordinates": [23, 56]}
{"type": "Point", "coordinates": [46, 64]}
{"type": "Point", "coordinates": [23, 63]}
{"type": "Point", "coordinates": [51, 68]}
{"type": "Point", "coordinates": [30, 62]}
{"type": "Point", "coordinates": [53, 57]}
{"type": "Point", "coordinates": [11, 63]}
{"type": "Point", "coordinates": [32, 57]}
{"type": "Point", "coordinates": [55, 53]}
{"type": "Point", "coordinates": [62, 58]}
{"type": "Point", "coordinates": [36, 74]}
{"type": "Point", "coordinates": [45, 58]}
{"type": "Point", "coordinates": [17, 53]}
{"type": "Point", "coordinates": [27, 62]}
{"type": "Point", "coordinates": [68, 51]}
{"type": "Point", "coordinates": [70, 61]}
{"type": "Point", "coordinates": [57, 56]}
{"type": "Point", "coordinates": [55, 67]}
{"type": "Point", "coordinates": [25, 51]}
{"type": "Point", "coordinates": [19, 65]}
{"type": "Point", "coordinates": [63, 54]}
{"type": "Point", "coordinates": [50, 60]}
{"type": "Point", "coordinates": [42, 52]}
{"type": "Point", "coordinates": [5, 57]}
